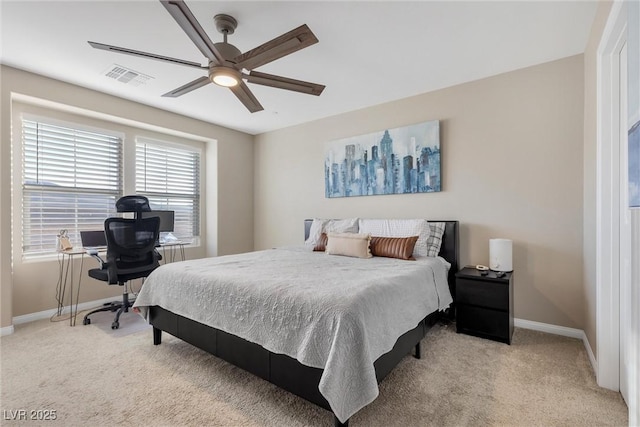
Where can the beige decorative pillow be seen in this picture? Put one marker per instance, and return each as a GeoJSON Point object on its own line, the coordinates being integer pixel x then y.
{"type": "Point", "coordinates": [393, 247]}
{"type": "Point", "coordinates": [349, 244]}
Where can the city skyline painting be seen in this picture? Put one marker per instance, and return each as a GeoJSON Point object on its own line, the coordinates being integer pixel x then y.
{"type": "Point", "coordinates": [392, 161]}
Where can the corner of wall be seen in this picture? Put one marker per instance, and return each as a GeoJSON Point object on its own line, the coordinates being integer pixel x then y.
{"type": "Point", "coordinates": [589, 172]}
{"type": "Point", "coordinates": [6, 285]}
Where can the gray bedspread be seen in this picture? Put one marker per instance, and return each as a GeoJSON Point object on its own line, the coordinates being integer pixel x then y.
{"type": "Point", "coordinates": [331, 312]}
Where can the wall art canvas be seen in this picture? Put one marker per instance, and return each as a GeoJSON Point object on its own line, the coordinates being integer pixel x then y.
{"type": "Point", "coordinates": [633, 119]}
{"type": "Point", "coordinates": [391, 161]}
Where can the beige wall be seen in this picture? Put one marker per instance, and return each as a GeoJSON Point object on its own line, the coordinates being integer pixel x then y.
{"type": "Point", "coordinates": [512, 167]}
{"type": "Point", "coordinates": [228, 218]}
{"type": "Point", "coordinates": [5, 211]}
{"type": "Point", "coordinates": [589, 177]}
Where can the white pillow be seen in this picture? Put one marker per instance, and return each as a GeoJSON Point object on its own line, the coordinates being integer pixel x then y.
{"type": "Point", "coordinates": [319, 226]}
{"type": "Point", "coordinates": [349, 225]}
{"type": "Point", "coordinates": [399, 228]}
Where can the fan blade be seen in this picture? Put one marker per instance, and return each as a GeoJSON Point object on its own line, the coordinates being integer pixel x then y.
{"type": "Point", "coordinates": [241, 90]}
{"type": "Point", "coordinates": [145, 55]}
{"type": "Point", "coordinates": [189, 24]}
{"type": "Point", "coordinates": [199, 82]}
{"type": "Point", "coordinates": [281, 46]}
{"type": "Point", "coordinates": [285, 83]}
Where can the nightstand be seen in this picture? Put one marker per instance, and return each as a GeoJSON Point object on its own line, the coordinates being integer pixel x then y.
{"type": "Point", "coordinates": [484, 304]}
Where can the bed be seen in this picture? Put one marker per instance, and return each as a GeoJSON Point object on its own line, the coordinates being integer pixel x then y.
{"type": "Point", "coordinates": [322, 327]}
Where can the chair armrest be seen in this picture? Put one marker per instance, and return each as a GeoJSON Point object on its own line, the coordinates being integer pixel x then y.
{"type": "Point", "coordinates": [94, 254]}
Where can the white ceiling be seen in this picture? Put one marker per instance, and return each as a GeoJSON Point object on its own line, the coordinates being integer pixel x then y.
{"type": "Point", "coordinates": [369, 52]}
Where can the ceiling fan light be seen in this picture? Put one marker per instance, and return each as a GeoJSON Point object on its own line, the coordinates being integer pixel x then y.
{"type": "Point", "coordinates": [226, 81]}
{"type": "Point", "coordinates": [226, 77]}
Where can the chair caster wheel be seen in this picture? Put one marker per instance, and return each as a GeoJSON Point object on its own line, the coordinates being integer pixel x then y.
{"type": "Point", "coordinates": [86, 321]}
{"type": "Point", "coordinates": [115, 325]}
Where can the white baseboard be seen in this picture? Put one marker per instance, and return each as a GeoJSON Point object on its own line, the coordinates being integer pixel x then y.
{"type": "Point", "coordinates": [592, 357]}
{"type": "Point", "coordinates": [7, 330]}
{"type": "Point", "coordinates": [548, 328]}
{"type": "Point", "coordinates": [562, 331]}
{"type": "Point", "coordinates": [47, 314]}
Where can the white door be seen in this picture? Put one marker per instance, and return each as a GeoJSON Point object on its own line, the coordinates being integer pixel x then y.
{"type": "Point", "coordinates": [625, 236]}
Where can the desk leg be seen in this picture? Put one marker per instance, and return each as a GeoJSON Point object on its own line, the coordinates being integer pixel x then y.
{"type": "Point", "coordinates": [67, 276]}
{"type": "Point", "coordinates": [71, 293]}
{"type": "Point", "coordinates": [171, 252]}
{"type": "Point", "coordinates": [66, 259]}
{"type": "Point", "coordinates": [72, 309]}
{"type": "Point", "coordinates": [59, 292]}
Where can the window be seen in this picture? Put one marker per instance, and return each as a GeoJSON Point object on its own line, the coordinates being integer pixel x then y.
{"type": "Point", "coordinates": [71, 178]}
{"type": "Point", "coordinates": [169, 176]}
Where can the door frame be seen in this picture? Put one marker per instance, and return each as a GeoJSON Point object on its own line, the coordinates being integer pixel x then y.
{"type": "Point", "coordinates": [607, 199]}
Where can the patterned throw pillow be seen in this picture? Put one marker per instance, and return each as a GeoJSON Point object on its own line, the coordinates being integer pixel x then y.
{"type": "Point", "coordinates": [435, 238]}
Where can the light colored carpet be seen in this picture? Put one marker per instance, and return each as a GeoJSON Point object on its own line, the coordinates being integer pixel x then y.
{"type": "Point", "coordinates": [91, 379]}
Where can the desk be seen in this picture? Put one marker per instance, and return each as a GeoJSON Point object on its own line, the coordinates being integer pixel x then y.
{"type": "Point", "coordinates": [173, 248]}
{"type": "Point", "coordinates": [66, 279]}
{"type": "Point", "coordinates": [67, 275]}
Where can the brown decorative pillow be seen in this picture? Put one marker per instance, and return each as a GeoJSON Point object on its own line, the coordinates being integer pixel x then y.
{"type": "Point", "coordinates": [393, 247]}
{"type": "Point", "coordinates": [322, 243]}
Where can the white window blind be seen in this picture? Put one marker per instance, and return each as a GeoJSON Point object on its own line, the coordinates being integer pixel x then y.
{"type": "Point", "coordinates": [71, 179]}
{"type": "Point", "coordinates": [170, 177]}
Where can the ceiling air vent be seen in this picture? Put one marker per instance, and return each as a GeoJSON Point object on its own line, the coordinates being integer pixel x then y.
{"type": "Point", "coordinates": [127, 75]}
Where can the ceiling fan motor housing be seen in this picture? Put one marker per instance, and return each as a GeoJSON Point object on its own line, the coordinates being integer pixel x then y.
{"type": "Point", "coordinates": [228, 51]}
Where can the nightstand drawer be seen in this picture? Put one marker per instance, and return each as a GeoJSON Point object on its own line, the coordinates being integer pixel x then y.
{"type": "Point", "coordinates": [483, 293]}
{"type": "Point", "coordinates": [483, 322]}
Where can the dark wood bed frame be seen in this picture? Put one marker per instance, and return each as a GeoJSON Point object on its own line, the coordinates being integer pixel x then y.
{"type": "Point", "coordinates": [283, 370]}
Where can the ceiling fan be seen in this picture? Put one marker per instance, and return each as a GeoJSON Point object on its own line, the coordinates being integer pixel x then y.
{"type": "Point", "coordinates": [227, 65]}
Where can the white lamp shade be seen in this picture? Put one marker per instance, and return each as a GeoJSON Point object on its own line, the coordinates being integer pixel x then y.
{"type": "Point", "coordinates": [500, 254]}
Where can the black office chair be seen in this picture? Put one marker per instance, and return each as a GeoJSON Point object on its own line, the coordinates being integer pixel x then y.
{"type": "Point", "coordinates": [131, 253]}
{"type": "Point", "coordinates": [134, 203]}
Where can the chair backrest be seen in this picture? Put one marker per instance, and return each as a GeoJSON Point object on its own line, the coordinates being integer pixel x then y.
{"type": "Point", "coordinates": [134, 203]}
{"type": "Point", "coordinates": [131, 244]}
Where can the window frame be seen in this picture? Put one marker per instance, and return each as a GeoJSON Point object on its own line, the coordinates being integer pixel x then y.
{"type": "Point", "coordinates": [27, 256]}
{"type": "Point", "coordinates": [144, 139]}
{"type": "Point", "coordinates": [84, 119]}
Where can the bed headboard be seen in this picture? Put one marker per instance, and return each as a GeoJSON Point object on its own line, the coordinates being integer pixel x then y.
{"type": "Point", "coordinates": [449, 249]}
